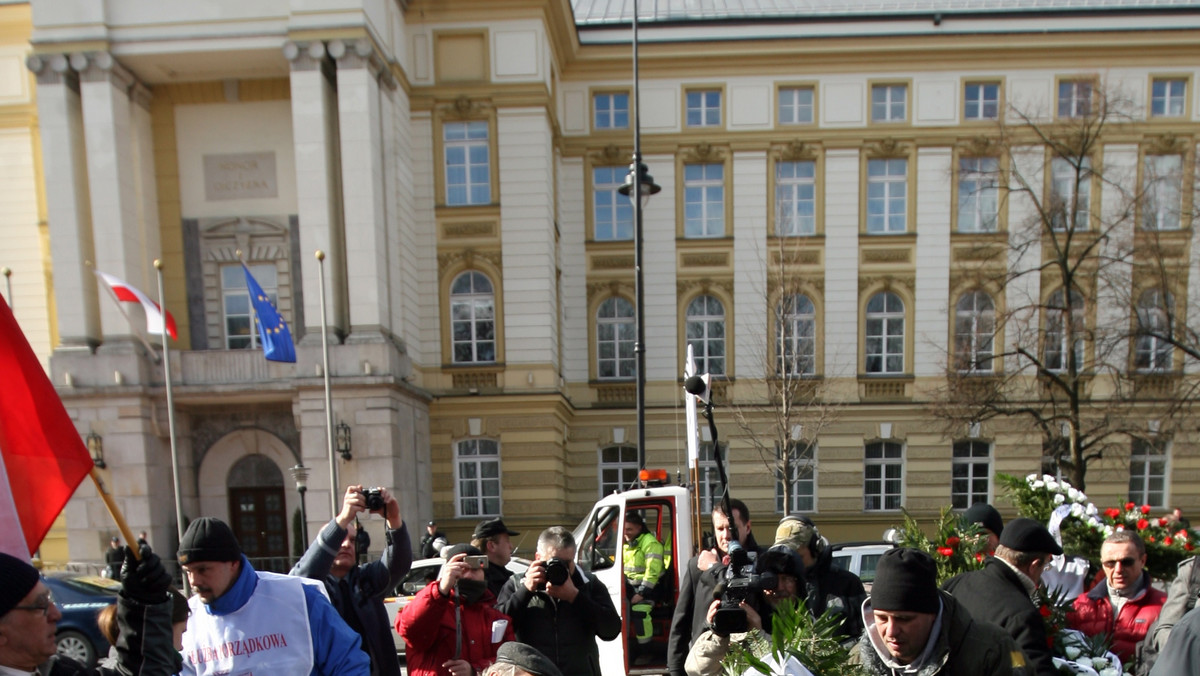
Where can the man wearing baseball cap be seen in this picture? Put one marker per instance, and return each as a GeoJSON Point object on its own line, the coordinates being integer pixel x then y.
{"type": "Point", "coordinates": [244, 621]}
{"type": "Point", "coordinates": [828, 588]}
{"type": "Point", "coordinates": [492, 538]}
{"type": "Point", "coordinates": [29, 618]}
{"type": "Point", "coordinates": [914, 628]}
{"type": "Point", "coordinates": [1000, 592]}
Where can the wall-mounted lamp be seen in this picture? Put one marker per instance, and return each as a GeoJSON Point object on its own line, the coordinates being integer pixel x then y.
{"type": "Point", "coordinates": [343, 440]}
{"type": "Point", "coordinates": [95, 446]}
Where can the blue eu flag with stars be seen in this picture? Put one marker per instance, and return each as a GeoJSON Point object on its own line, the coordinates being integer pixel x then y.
{"type": "Point", "coordinates": [273, 332]}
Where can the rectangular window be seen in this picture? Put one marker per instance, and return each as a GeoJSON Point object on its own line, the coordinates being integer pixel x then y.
{"type": "Point", "coordinates": [795, 105]}
{"type": "Point", "coordinates": [468, 165]}
{"type": "Point", "coordinates": [887, 196]}
{"type": "Point", "coordinates": [703, 200]}
{"type": "Point", "coordinates": [704, 108]}
{"type": "Point", "coordinates": [981, 101]}
{"type": "Point", "coordinates": [1070, 191]}
{"type": "Point", "coordinates": [710, 478]}
{"type": "Point", "coordinates": [795, 198]}
{"type": "Point", "coordinates": [610, 111]}
{"type": "Point", "coordinates": [802, 468]}
{"type": "Point", "coordinates": [883, 476]}
{"type": "Point", "coordinates": [612, 212]}
{"type": "Point", "coordinates": [1162, 192]}
{"type": "Point", "coordinates": [971, 473]}
{"type": "Point", "coordinates": [241, 331]}
{"type": "Point", "coordinates": [1074, 98]}
{"type": "Point", "coordinates": [1167, 97]}
{"type": "Point", "coordinates": [618, 469]}
{"type": "Point", "coordinates": [889, 103]}
{"type": "Point", "coordinates": [477, 470]}
{"type": "Point", "coordinates": [1148, 473]}
{"type": "Point", "coordinates": [978, 194]}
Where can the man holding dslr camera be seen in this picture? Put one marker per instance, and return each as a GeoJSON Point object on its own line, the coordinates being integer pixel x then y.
{"type": "Point", "coordinates": [558, 610]}
{"type": "Point", "coordinates": [358, 591]}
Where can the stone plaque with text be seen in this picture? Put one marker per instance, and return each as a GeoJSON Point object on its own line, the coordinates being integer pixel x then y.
{"type": "Point", "coordinates": [239, 177]}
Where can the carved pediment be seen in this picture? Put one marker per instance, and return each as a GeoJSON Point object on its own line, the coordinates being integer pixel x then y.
{"type": "Point", "coordinates": [705, 285]}
{"type": "Point", "coordinates": [467, 257]}
{"type": "Point", "coordinates": [608, 288]}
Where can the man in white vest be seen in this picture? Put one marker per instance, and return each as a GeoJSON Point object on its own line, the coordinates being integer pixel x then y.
{"type": "Point", "coordinates": [249, 622]}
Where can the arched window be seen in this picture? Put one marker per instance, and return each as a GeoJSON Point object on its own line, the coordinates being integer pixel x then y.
{"type": "Point", "coordinates": [1152, 350]}
{"type": "Point", "coordinates": [706, 334]}
{"type": "Point", "coordinates": [473, 318]}
{"type": "Point", "coordinates": [1061, 337]}
{"type": "Point", "coordinates": [885, 333]}
{"type": "Point", "coordinates": [974, 331]}
{"type": "Point", "coordinates": [615, 336]}
{"type": "Point", "coordinates": [795, 339]}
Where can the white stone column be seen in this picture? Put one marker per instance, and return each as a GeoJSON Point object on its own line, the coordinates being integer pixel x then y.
{"type": "Point", "coordinates": [60, 119]}
{"type": "Point", "coordinates": [318, 185]}
{"type": "Point", "coordinates": [105, 88]}
{"type": "Point", "coordinates": [364, 203]}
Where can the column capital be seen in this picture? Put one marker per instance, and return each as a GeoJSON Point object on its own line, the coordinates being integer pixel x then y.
{"type": "Point", "coordinates": [50, 68]}
{"type": "Point", "coordinates": [361, 53]}
{"type": "Point", "coordinates": [304, 55]}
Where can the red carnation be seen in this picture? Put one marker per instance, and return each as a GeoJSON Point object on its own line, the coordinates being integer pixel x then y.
{"type": "Point", "coordinates": [1188, 546]}
{"type": "Point", "coordinates": [979, 557]}
{"type": "Point", "coordinates": [1168, 540]}
{"type": "Point", "coordinates": [1129, 506]}
{"type": "Point", "coordinates": [1142, 524]}
{"type": "Point", "coordinates": [1162, 521]}
{"type": "Point", "coordinates": [952, 541]}
{"type": "Point", "coordinates": [1045, 610]}
{"type": "Point", "coordinates": [1145, 509]}
{"type": "Point", "coordinates": [945, 551]}
{"type": "Point", "coordinates": [1112, 512]}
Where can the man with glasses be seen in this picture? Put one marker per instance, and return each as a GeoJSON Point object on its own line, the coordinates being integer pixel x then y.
{"type": "Point", "coordinates": [1124, 604]}
{"type": "Point", "coordinates": [29, 618]}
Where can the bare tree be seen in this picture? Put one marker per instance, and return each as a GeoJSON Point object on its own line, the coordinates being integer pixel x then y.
{"type": "Point", "coordinates": [1045, 322]}
{"type": "Point", "coordinates": [783, 414]}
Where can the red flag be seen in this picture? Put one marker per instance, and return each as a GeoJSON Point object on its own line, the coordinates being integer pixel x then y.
{"type": "Point", "coordinates": [43, 456]}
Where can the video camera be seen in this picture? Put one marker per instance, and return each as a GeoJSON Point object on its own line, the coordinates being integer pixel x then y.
{"type": "Point", "coordinates": [745, 581]}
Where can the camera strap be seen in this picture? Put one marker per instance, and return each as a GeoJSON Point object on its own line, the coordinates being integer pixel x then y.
{"type": "Point", "coordinates": [457, 623]}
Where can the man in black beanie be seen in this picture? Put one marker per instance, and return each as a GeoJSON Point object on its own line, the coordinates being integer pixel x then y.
{"type": "Point", "coordinates": [29, 618]}
{"type": "Point", "coordinates": [986, 516]}
{"type": "Point", "coordinates": [1001, 592]}
{"type": "Point", "coordinates": [913, 628]}
{"type": "Point", "coordinates": [287, 623]}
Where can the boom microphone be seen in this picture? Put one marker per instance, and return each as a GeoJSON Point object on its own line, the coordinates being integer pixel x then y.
{"type": "Point", "coordinates": [695, 385]}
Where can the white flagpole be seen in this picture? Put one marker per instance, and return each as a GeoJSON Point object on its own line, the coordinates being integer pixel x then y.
{"type": "Point", "coordinates": [333, 478]}
{"type": "Point", "coordinates": [166, 359]}
{"type": "Point", "coordinates": [8, 283]}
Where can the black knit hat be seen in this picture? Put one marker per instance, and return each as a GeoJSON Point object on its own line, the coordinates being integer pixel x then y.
{"type": "Point", "coordinates": [527, 659]}
{"type": "Point", "coordinates": [1027, 535]}
{"type": "Point", "coordinates": [19, 579]}
{"type": "Point", "coordinates": [905, 580]}
{"type": "Point", "coordinates": [208, 539]}
{"type": "Point", "coordinates": [985, 515]}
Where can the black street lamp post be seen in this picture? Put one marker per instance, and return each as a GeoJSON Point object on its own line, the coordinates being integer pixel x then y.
{"type": "Point", "coordinates": [300, 474]}
{"type": "Point", "coordinates": [639, 196]}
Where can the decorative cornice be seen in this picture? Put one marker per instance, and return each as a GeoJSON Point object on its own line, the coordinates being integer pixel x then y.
{"type": "Point", "coordinates": [796, 151]}
{"type": "Point", "coordinates": [609, 288]}
{"type": "Point", "coordinates": [886, 255]}
{"type": "Point", "coordinates": [467, 257]}
{"type": "Point", "coordinates": [684, 287]}
{"type": "Point", "coordinates": [704, 152]}
{"type": "Point", "coordinates": [462, 108]}
{"type": "Point", "coordinates": [462, 230]}
{"type": "Point", "coordinates": [611, 154]}
{"type": "Point", "coordinates": [887, 148]}
{"type": "Point", "coordinates": [887, 282]}
{"type": "Point", "coordinates": [979, 146]}
{"type": "Point", "coordinates": [616, 262]}
{"type": "Point", "coordinates": [704, 260]}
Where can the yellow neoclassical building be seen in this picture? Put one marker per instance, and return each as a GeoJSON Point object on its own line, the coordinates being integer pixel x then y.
{"type": "Point", "coordinates": [844, 192]}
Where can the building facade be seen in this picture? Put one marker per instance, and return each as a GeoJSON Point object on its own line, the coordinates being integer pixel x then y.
{"type": "Point", "coordinates": [829, 192]}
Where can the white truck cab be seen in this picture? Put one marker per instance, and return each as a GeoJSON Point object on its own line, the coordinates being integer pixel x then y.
{"type": "Point", "coordinates": [600, 543]}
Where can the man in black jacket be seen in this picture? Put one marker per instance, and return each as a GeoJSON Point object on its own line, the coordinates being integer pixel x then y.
{"type": "Point", "coordinates": [432, 541]}
{"type": "Point", "coordinates": [560, 616]}
{"type": "Point", "coordinates": [28, 618]}
{"type": "Point", "coordinates": [698, 580]}
{"type": "Point", "coordinates": [358, 591]}
{"type": "Point", "coordinates": [838, 591]}
{"type": "Point", "coordinates": [494, 539]}
{"type": "Point", "coordinates": [1000, 593]}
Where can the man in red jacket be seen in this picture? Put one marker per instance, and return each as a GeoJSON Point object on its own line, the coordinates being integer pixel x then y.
{"type": "Point", "coordinates": [452, 627]}
{"type": "Point", "coordinates": [1124, 605]}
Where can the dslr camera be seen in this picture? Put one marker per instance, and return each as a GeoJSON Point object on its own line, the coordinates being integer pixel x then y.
{"type": "Point", "coordinates": [557, 571]}
{"type": "Point", "coordinates": [374, 498]}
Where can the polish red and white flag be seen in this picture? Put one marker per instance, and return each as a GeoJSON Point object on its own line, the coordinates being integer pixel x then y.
{"type": "Point", "coordinates": [127, 293]}
{"type": "Point", "coordinates": [42, 457]}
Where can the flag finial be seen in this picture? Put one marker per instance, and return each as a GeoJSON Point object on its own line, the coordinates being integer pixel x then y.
{"type": "Point", "coordinates": [158, 264]}
{"type": "Point", "coordinates": [320, 255]}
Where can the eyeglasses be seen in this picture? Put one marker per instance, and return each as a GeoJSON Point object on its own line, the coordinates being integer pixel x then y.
{"type": "Point", "coordinates": [1126, 562]}
{"type": "Point", "coordinates": [44, 605]}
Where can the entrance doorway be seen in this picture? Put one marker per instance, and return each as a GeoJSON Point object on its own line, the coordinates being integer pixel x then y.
{"type": "Point", "coordinates": [258, 513]}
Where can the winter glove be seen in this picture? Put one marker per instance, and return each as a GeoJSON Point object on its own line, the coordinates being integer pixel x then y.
{"type": "Point", "coordinates": [145, 581]}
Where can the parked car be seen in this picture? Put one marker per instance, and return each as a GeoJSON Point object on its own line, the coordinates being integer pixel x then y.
{"type": "Point", "coordinates": [81, 598]}
{"type": "Point", "coordinates": [422, 573]}
{"type": "Point", "coordinates": [860, 558]}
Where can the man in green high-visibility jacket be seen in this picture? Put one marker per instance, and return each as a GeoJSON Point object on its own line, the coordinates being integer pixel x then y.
{"type": "Point", "coordinates": [643, 560]}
